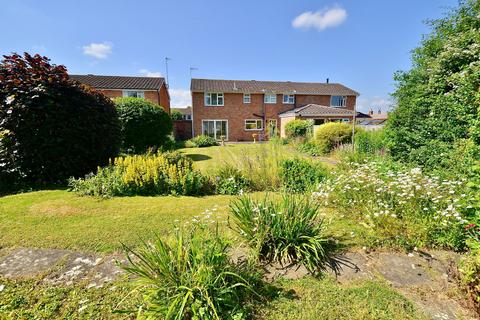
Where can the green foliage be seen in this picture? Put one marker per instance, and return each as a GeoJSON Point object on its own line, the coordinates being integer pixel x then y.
{"type": "Point", "coordinates": [300, 175]}
{"type": "Point", "coordinates": [230, 180]}
{"type": "Point", "coordinates": [308, 147]}
{"type": "Point", "coordinates": [470, 265]}
{"type": "Point", "coordinates": [50, 127]}
{"type": "Point", "coordinates": [201, 141]}
{"type": "Point", "coordinates": [438, 99]}
{"type": "Point", "coordinates": [287, 231]}
{"type": "Point", "coordinates": [190, 277]}
{"type": "Point", "coordinates": [332, 135]}
{"type": "Point", "coordinates": [144, 124]}
{"type": "Point", "coordinates": [298, 128]}
{"type": "Point", "coordinates": [176, 115]}
{"type": "Point", "coordinates": [370, 142]}
{"type": "Point", "coordinates": [401, 207]}
{"type": "Point", "coordinates": [158, 174]}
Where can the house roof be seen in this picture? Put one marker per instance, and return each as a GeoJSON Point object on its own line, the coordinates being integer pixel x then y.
{"type": "Point", "coordinates": [187, 110]}
{"type": "Point", "coordinates": [119, 82]}
{"type": "Point", "coordinates": [254, 86]}
{"type": "Point", "coordinates": [316, 110]}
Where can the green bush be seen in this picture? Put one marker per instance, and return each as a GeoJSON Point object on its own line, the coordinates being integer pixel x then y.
{"type": "Point", "coordinates": [176, 115]}
{"type": "Point", "coordinates": [144, 124]}
{"type": "Point", "coordinates": [230, 180]}
{"type": "Point", "coordinates": [331, 135]}
{"type": "Point", "coordinates": [298, 128]}
{"type": "Point", "coordinates": [469, 268]}
{"type": "Point", "coordinates": [190, 277]}
{"type": "Point", "coordinates": [287, 231]}
{"type": "Point", "coordinates": [300, 175]}
{"type": "Point", "coordinates": [308, 147]}
{"type": "Point", "coordinates": [399, 206]}
{"type": "Point", "coordinates": [437, 99]}
{"type": "Point", "coordinates": [51, 128]}
{"type": "Point", "coordinates": [158, 174]}
{"type": "Point", "coordinates": [370, 142]}
{"type": "Point", "coordinates": [201, 141]}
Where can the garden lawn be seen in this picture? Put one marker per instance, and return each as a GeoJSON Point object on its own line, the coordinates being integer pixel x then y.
{"type": "Point", "coordinates": [61, 219]}
{"type": "Point", "coordinates": [303, 299]}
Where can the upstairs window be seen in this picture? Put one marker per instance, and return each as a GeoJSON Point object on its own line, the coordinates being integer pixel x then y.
{"type": "Point", "coordinates": [246, 98]}
{"type": "Point", "coordinates": [253, 124]}
{"type": "Point", "coordinates": [338, 101]}
{"type": "Point", "coordinates": [289, 98]}
{"type": "Point", "coordinates": [134, 94]}
{"type": "Point", "coordinates": [270, 98]}
{"type": "Point", "coordinates": [213, 99]}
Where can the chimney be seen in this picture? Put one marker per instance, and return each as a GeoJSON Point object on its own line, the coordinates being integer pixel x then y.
{"type": "Point", "coordinates": [370, 112]}
{"type": "Point", "coordinates": [328, 80]}
{"type": "Point", "coordinates": [379, 111]}
{"type": "Point", "coordinates": [234, 86]}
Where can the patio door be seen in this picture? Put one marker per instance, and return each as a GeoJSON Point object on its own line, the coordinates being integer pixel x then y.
{"type": "Point", "coordinates": [215, 129]}
{"type": "Point", "coordinates": [272, 127]}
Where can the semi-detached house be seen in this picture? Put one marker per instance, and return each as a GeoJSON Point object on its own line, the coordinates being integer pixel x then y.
{"type": "Point", "coordinates": [241, 110]}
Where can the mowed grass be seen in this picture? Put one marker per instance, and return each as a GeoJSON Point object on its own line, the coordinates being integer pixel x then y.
{"type": "Point", "coordinates": [61, 219]}
{"type": "Point", "coordinates": [304, 299]}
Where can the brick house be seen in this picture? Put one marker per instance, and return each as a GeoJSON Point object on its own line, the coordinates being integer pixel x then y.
{"type": "Point", "coordinates": [153, 89]}
{"type": "Point", "coordinates": [240, 109]}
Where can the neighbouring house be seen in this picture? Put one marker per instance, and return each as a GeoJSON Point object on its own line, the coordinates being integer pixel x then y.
{"type": "Point", "coordinates": [373, 120]}
{"type": "Point", "coordinates": [182, 129]}
{"type": "Point", "coordinates": [241, 110]}
{"type": "Point", "coordinates": [153, 89]}
{"type": "Point", "coordinates": [186, 112]}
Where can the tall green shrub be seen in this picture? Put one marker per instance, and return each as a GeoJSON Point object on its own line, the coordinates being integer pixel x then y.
{"type": "Point", "coordinates": [299, 175]}
{"type": "Point", "coordinates": [144, 124]}
{"type": "Point", "coordinates": [438, 98]}
{"type": "Point", "coordinates": [331, 135]}
{"type": "Point", "coordinates": [298, 128]}
{"type": "Point", "coordinates": [50, 127]}
{"type": "Point", "coordinates": [370, 142]}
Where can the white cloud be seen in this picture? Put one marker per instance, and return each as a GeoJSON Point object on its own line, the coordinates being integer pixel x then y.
{"type": "Point", "coordinates": [98, 50]}
{"type": "Point", "coordinates": [374, 103]}
{"type": "Point", "coordinates": [148, 73]}
{"type": "Point", "coordinates": [180, 98]}
{"type": "Point", "coordinates": [321, 19]}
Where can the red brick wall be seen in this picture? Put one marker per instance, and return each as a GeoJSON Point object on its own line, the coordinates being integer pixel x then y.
{"type": "Point", "coordinates": [235, 111]}
{"type": "Point", "coordinates": [164, 100]}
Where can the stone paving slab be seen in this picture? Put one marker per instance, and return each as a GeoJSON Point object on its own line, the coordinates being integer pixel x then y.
{"type": "Point", "coordinates": [76, 269]}
{"type": "Point", "coordinates": [30, 262]}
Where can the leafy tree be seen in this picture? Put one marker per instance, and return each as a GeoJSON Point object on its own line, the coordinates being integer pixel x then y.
{"type": "Point", "coordinates": [176, 115]}
{"type": "Point", "coordinates": [438, 100]}
{"type": "Point", "coordinates": [51, 128]}
{"type": "Point", "coordinates": [144, 124]}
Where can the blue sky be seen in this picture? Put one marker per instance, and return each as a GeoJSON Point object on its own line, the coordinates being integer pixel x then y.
{"type": "Point", "coordinates": [357, 43]}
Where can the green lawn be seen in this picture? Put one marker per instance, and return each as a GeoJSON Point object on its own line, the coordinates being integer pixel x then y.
{"type": "Point", "coordinates": [303, 299]}
{"type": "Point", "coordinates": [61, 219]}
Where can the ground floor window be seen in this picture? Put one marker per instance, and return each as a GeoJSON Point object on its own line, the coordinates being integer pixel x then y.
{"type": "Point", "coordinates": [253, 124]}
{"type": "Point", "coordinates": [215, 129]}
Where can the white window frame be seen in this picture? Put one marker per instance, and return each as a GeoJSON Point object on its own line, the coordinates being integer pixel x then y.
{"type": "Point", "coordinates": [247, 98]}
{"type": "Point", "coordinates": [257, 121]}
{"type": "Point", "coordinates": [208, 95]}
{"type": "Point", "coordinates": [140, 93]}
{"type": "Point", "coordinates": [343, 104]}
{"type": "Point", "coordinates": [292, 96]}
{"type": "Point", "coordinates": [268, 101]}
{"type": "Point", "coordinates": [215, 127]}
{"type": "Point", "coordinates": [187, 117]}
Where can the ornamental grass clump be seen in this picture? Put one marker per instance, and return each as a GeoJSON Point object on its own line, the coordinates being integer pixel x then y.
{"type": "Point", "coordinates": [191, 277]}
{"type": "Point", "coordinates": [399, 206]}
{"type": "Point", "coordinates": [287, 231]}
{"type": "Point", "coordinates": [150, 174]}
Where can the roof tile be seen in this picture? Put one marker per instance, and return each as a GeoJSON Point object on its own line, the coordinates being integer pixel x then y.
{"type": "Point", "coordinates": [119, 82]}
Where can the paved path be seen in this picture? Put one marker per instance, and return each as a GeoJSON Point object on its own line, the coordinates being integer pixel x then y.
{"type": "Point", "coordinates": [421, 277]}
